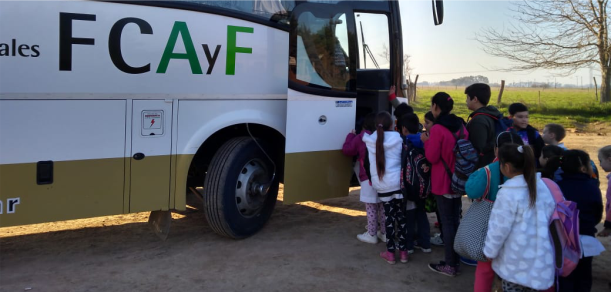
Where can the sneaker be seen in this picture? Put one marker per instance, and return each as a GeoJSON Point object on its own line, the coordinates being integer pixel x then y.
{"type": "Point", "coordinates": [381, 236]}
{"type": "Point", "coordinates": [365, 237]}
{"type": "Point", "coordinates": [404, 255]}
{"type": "Point", "coordinates": [388, 256]}
{"type": "Point", "coordinates": [410, 251]}
{"type": "Point", "coordinates": [468, 262]}
{"type": "Point", "coordinates": [437, 240]}
{"type": "Point", "coordinates": [443, 269]}
{"type": "Point", "coordinates": [424, 250]}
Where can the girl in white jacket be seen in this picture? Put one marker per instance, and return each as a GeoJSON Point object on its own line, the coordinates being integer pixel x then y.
{"type": "Point", "coordinates": [518, 241]}
{"type": "Point", "coordinates": [384, 147]}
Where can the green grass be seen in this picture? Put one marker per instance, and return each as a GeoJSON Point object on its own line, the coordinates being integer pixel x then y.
{"type": "Point", "coordinates": [572, 108]}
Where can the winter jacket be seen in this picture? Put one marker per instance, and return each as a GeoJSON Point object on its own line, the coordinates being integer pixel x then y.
{"type": "Point", "coordinates": [518, 240]}
{"type": "Point", "coordinates": [608, 207]}
{"type": "Point", "coordinates": [354, 146]}
{"type": "Point", "coordinates": [582, 189]}
{"type": "Point", "coordinates": [595, 175]}
{"type": "Point", "coordinates": [530, 136]}
{"type": "Point", "coordinates": [483, 133]}
{"type": "Point", "coordinates": [415, 139]}
{"type": "Point", "coordinates": [440, 145]}
{"type": "Point", "coordinates": [476, 184]}
{"type": "Point", "coordinates": [393, 144]}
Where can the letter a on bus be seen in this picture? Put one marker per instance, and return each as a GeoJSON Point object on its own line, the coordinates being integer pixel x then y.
{"type": "Point", "coordinates": [168, 53]}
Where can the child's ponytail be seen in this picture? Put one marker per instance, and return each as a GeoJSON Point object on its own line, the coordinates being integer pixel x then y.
{"type": "Point", "coordinates": [383, 123]}
{"type": "Point", "coordinates": [522, 159]}
{"type": "Point", "coordinates": [530, 173]}
{"type": "Point", "coordinates": [553, 154]}
{"type": "Point", "coordinates": [551, 166]}
{"type": "Point", "coordinates": [576, 161]}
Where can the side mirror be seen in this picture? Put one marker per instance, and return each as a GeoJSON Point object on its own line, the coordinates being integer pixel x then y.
{"type": "Point", "coordinates": [438, 12]}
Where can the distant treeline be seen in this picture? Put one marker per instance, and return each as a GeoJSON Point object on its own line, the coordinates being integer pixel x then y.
{"type": "Point", "coordinates": [465, 81]}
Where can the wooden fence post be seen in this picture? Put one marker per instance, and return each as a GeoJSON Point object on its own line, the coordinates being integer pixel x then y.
{"type": "Point", "coordinates": [498, 100]}
{"type": "Point", "coordinates": [596, 87]}
{"type": "Point", "coordinates": [539, 97]}
{"type": "Point", "coordinates": [415, 87]}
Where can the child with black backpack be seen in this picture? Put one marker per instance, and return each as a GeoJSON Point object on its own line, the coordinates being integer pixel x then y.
{"type": "Point", "coordinates": [415, 184]}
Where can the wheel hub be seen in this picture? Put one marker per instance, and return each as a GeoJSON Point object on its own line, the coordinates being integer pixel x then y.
{"type": "Point", "coordinates": [251, 188]}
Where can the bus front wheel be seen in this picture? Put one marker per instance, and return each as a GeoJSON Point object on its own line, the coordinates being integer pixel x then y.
{"type": "Point", "coordinates": [239, 194]}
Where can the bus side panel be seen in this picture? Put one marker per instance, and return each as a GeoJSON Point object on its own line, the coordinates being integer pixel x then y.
{"type": "Point", "coordinates": [85, 140]}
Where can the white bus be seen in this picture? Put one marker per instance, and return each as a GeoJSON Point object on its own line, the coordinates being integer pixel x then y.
{"type": "Point", "coordinates": [120, 107]}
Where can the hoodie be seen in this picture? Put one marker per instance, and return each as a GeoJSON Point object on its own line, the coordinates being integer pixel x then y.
{"type": "Point", "coordinates": [440, 145]}
{"type": "Point", "coordinates": [483, 131]}
{"type": "Point", "coordinates": [393, 144]}
{"type": "Point", "coordinates": [415, 139]}
{"type": "Point", "coordinates": [518, 240]}
{"type": "Point", "coordinates": [530, 136]}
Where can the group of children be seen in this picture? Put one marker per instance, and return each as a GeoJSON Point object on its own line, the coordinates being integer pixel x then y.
{"type": "Point", "coordinates": [517, 245]}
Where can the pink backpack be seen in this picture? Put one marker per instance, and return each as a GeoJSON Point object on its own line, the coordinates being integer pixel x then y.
{"type": "Point", "coordinates": [564, 231]}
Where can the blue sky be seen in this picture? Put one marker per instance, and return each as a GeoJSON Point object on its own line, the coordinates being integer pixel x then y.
{"type": "Point", "coordinates": [451, 51]}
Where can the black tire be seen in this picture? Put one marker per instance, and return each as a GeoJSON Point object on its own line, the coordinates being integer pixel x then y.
{"type": "Point", "coordinates": [237, 163]}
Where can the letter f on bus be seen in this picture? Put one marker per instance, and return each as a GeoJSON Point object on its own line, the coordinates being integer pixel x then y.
{"type": "Point", "coordinates": [232, 49]}
{"type": "Point", "coordinates": [66, 40]}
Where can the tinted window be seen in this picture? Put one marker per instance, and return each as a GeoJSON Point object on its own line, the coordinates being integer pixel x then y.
{"type": "Point", "coordinates": [322, 52]}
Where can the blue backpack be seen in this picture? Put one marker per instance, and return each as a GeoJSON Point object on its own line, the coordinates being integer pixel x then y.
{"type": "Point", "coordinates": [466, 158]}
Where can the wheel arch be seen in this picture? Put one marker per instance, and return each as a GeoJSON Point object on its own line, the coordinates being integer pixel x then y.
{"type": "Point", "coordinates": [194, 167]}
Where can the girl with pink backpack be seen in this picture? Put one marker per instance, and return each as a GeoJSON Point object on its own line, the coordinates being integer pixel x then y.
{"type": "Point", "coordinates": [518, 240]}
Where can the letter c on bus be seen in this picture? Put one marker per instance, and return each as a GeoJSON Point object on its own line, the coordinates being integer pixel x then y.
{"type": "Point", "coordinates": [114, 44]}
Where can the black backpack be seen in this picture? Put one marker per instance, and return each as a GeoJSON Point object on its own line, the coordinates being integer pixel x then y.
{"type": "Point", "coordinates": [415, 173]}
{"type": "Point", "coordinates": [501, 124]}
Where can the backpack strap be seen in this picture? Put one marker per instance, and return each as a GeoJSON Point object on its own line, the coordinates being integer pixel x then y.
{"type": "Point", "coordinates": [445, 165]}
{"type": "Point", "coordinates": [554, 189]}
{"type": "Point", "coordinates": [485, 114]}
{"type": "Point", "coordinates": [488, 178]}
{"type": "Point", "coordinates": [457, 137]}
{"type": "Point", "coordinates": [461, 134]}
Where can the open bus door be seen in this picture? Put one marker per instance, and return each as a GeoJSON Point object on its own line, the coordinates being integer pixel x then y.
{"type": "Point", "coordinates": [321, 104]}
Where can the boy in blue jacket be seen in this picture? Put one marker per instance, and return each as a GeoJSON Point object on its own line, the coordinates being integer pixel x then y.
{"type": "Point", "coordinates": [415, 211]}
{"type": "Point", "coordinates": [518, 112]}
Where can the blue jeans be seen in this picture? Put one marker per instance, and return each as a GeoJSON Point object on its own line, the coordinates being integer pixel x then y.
{"type": "Point", "coordinates": [449, 210]}
{"type": "Point", "coordinates": [416, 218]}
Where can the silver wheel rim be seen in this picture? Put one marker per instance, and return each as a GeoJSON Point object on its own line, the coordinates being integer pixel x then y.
{"type": "Point", "coordinates": [249, 198]}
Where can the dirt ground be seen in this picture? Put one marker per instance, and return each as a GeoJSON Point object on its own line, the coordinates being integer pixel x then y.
{"type": "Point", "coordinates": [305, 247]}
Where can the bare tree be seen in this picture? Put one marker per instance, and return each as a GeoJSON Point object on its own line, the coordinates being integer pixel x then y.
{"type": "Point", "coordinates": [407, 70]}
{"type": "Point", "coordinates": [563, 35]}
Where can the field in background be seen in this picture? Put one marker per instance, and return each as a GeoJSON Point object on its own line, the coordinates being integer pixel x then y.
{"type": "Point", "coordinates": [572, 108]}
